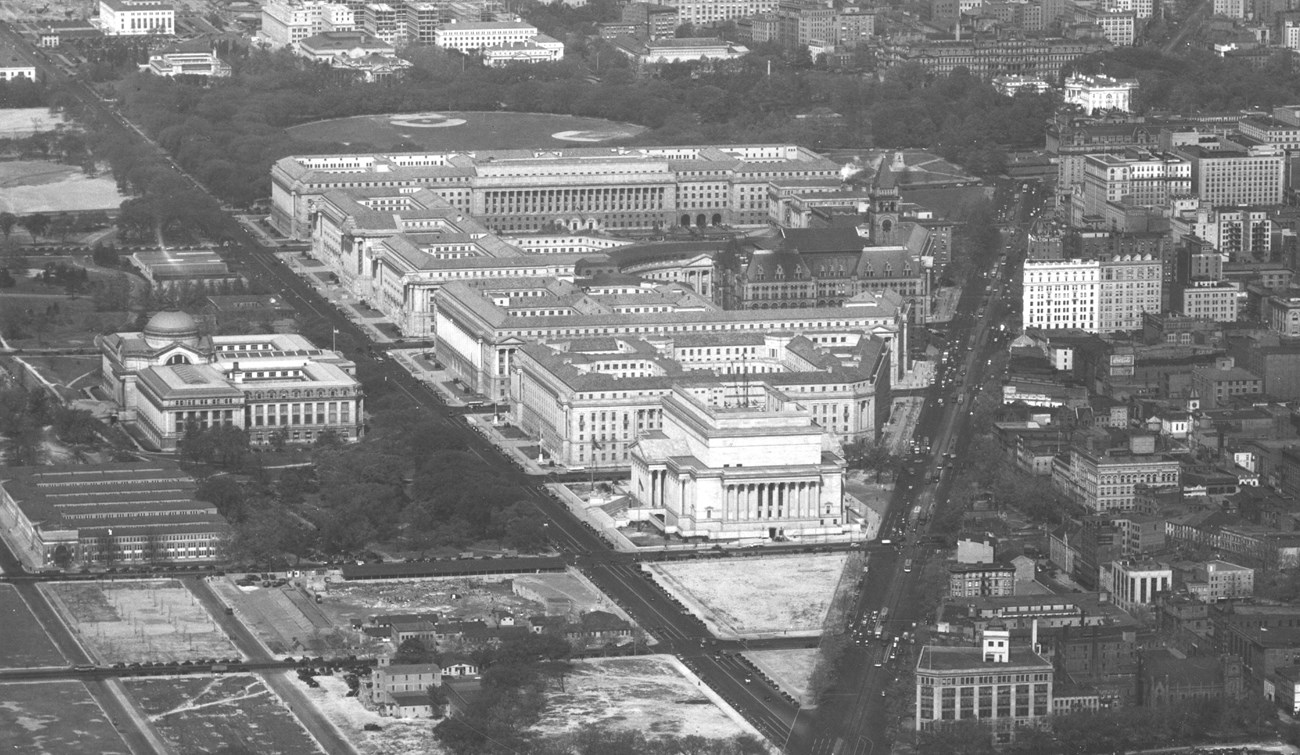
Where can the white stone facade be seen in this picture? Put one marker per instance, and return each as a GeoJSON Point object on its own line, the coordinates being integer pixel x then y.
{"type": "Point", "coordinates": [758, 467]}
{"type": "Point", "coordinates": [1100, 93]}
{"type": "Point", "coordinates": [126, 18]}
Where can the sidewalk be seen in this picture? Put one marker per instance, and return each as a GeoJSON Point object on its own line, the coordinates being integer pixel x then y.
{"type": "Point", "coordinates": [903, 416]}
{"type": "Point", "coordinates": [339, 297]}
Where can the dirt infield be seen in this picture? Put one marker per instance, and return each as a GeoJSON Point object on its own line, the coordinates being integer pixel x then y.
{"type": "Point", "coordinates": [456, 131]}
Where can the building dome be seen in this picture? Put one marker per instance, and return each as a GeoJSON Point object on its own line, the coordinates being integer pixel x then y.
{"type": "Point", "coordinates": [167, 328]}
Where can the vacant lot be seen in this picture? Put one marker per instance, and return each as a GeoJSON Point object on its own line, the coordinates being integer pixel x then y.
{"type": "Point", "coordinates": [140, 621]}
{"type": "Point", "coordinates": [648, 693]}
{"type": "Point", "coordinates": [33, 186]}
{"type": "Point", "coordinates": [436, 131]}
{"type": "Point", "coordinates": [54, 718]}
{"type": "Point", "coordinates": [221, 714]}
{"type": "Point", "coordinates": [790, 669]}
{"type": "Point", "coordinates": [758, 596]}
{"type": "Point", "coordinates": [464, 598]}
{"type": "Point", "coordinates": [25, 643]}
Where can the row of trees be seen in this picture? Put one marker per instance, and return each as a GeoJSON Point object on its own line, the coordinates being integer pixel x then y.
{"type": "Point", "coordinates": [228, 132]}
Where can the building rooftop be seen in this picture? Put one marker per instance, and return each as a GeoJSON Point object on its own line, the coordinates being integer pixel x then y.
{"type": "Point", "coordinates": [937, 658]}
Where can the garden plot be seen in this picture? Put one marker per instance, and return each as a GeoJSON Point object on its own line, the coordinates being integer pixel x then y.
{"type": "Point", "coordinates": [221, 714]}
{"type": "Point", "coordinates": [763, 596]}
{"type": "Point", "coordinates": [398, 736]}
{"type": "Point", "coordinates": [649, 693]}
{"type": "Point", "coordinates": [140, 621]}
{"type": "Point", "coordinates": [791, 669]}
{"type": "Point", "coordinates": [55, 718]}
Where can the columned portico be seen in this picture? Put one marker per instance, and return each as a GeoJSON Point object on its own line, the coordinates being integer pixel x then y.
{"type": "Point", "coordinates": [781, 483]}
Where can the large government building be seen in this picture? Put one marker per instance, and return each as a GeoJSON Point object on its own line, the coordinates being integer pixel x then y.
{"type": "Point", "coordinates": [481, 325]}
{"type": "Point", "coordinates": [588, 401]}
{"type": "Point", "coordinates": [394, 250]}
{"type": "Point", "coordinates": [583, 188]}
{"type": "Point", "coordinates": [739, 461]}
{"type": "Point", "coordinates": [170, 377]}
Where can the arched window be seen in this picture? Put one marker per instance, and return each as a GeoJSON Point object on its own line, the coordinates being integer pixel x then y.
{"type": "Point", "coordinates": [178, 359]}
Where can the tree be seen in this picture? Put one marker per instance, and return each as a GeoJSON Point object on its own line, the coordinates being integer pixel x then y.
{"type": "Point", "coordinates": [7, 222]}
{"type": "Point", "coordinates": [36, 224]}
{"type": "Point", "coordinates": [224, 492]}
{"type": "Point", "coordinates": [413, 650]}
{"type": "Point", "coordinates": [959, 738]}
{"type": "Point", "coordinates": [437, 700]}
{"type": "Point", "coordinates": [75, 425]}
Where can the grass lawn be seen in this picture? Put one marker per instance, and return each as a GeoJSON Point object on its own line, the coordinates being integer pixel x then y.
{"type": "Point", "coordinates": [54, 718]}
{"type": "Point", "coordinates": [221, 714]}
{"type": "Point", "coordinates": [480, 131]}
{"type": "Point", "coordinates": [26, 645]}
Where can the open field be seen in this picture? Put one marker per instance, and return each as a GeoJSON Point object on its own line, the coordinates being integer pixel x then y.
{"type": "Point", "coordinates": [790, 669]}
{"type": "Point", "coordinates": [140, 621]}
{"type": "Point", "coordinates": [757, 596]}
{"type": "Point", "coordinates": [19, 121]}
{"type": "Point", "coordinates": [647, 693]}
{"type": "Point", "coordinates": [221, 714]}
{"type": "Point", "coordinates": [466, 130]}
{"type": "Point", "coordinates": [400, 736]}
{"type": "Point", "coordinates": [31, 186]}
{"type": "Point", "coordinates": [25, 643]}
{"type": "Point", "coordinates": [54, 718]}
